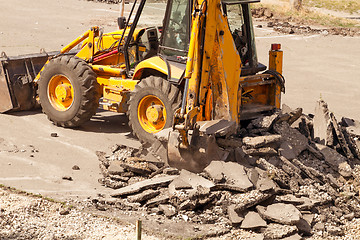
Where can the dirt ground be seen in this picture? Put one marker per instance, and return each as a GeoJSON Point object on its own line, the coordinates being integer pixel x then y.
{"type": "Point", "coordinates": [31, 160]}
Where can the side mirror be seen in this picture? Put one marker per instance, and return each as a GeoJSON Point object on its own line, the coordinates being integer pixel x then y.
{"type": "Point", "coordinates": [121, 22]}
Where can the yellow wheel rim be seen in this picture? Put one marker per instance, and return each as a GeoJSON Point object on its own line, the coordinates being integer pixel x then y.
{"type": "Point", "coordinates": [60, 92]}
{"type": "Point", "coordinates": [151, 114]}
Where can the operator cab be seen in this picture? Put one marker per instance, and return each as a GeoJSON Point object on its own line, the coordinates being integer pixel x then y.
{"type": "Point", "coordinates": [176, 35]}
{"type": "Point", "coordinates": [171, 41]}
{"type": "Point", "coordinates": [239, 17]}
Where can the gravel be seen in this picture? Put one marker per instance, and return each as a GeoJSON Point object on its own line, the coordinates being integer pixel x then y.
{"type": "Point", "coordinates": [29, 217]}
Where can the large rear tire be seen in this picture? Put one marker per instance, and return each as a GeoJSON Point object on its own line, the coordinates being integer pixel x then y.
{"type": "Point", "coordinates": [151, 107]}
{"type": "Point", "coordinates": [68, 91]}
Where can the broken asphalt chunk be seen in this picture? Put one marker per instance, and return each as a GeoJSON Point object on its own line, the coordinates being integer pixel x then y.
{"type": "Point", "coordinates": [282, 213]}
{"type": "Point", "coordinates": [323, 130]}
{"type": "Point", "coordinates": [253, 220]}
{"type": "Point", "coordinates": [218, 128]}
{"type": "Point", "coordinates": [265, 122]}
{"type": "Point", "coordinates": [293, 137]}
{"type": "Point", "coordinates": [144, 196]}
{"type": "Point", "coordinates": [146, 184]}
{"type": "Point", "coordinates": [233, 173]}
{"type": "Point", "coordinates": [243, 201]}
{"type": "Point", "coordinates": [261, 141]}
{"type": "Point", "coordinates": [115, 168]}
{"type": "Point", "coordinates": [266, 151]}
{"type": "Point", "coordinates": [234, 217]}
{"type": "Point", "coordinates": [337, 161]}
{"type": "Point", "coordinates": [135, 169]}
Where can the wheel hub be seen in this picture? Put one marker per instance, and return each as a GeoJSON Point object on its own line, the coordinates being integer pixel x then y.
{"type": "Point", "coordinates": [60, 92]}
{"type": "Point", "coordinates": [63, 92]}
{"type": "Point", "coordinates": [151, 114]}
{"type": "Point", "coordinates": [154, 113]}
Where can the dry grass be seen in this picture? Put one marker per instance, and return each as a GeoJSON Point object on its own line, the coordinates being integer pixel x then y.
{"type": "Point", "coordinates": [306, 16]}
{"type": "Point", "coordinates": [350, 6]}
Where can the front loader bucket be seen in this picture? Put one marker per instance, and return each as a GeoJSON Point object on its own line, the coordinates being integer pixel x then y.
{"type": "Point", "coordinates": [17, 74]}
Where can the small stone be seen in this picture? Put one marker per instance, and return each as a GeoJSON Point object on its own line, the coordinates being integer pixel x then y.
{"type": "Point", "coordinates": [69, 178]}
{"type": "Point", "coordinates": [349, 216]}
{"type": "Point", "coordinates": [100, 207]}
{"type": "Point", "coordinates": [54, 135]}
{"type": "Point", "coordinates": [75, 167]}
{"type": "Point", "coordinates": [345, 170]}
{"type": "Point", "coordinates": [304, 227]}
{"type": "Point", "coordinates": [64, 212]}
{"type": "Point", "coordinates": [168, 210]}
{"type": "Point", "coordinates": [253, 220]}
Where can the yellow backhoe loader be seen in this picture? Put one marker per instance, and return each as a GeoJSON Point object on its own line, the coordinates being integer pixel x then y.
{"type": "Point", "coordinates": [200, 67]}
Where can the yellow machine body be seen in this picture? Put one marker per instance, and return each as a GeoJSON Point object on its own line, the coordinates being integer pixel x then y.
{"type": "Point", "coordinates": [215, 87]}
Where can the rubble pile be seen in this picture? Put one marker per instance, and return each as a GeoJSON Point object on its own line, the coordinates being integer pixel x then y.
{"type": "Point", "coordinates": [284, 175]}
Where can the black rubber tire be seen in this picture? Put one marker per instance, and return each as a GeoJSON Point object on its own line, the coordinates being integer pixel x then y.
{"type": "Point", "coordinates": [161, 88]}
{"type": "Point", "coordinates": [86, 91]}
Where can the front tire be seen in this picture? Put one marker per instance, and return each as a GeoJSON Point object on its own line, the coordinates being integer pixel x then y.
{"type": "Point", "coordinates": [151, 107]}
{"type": "Point", "coordinates": [68, 91]}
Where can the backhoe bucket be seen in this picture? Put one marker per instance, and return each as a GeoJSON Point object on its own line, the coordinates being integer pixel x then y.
{"type": "Point", "coordinates": [17, 74]}
{"type": "Point", "coordinates": [198, 155]}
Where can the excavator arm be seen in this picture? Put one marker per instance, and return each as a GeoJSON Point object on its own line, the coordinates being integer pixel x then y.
{"type": "Point", "coordinates": [216, 96]}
